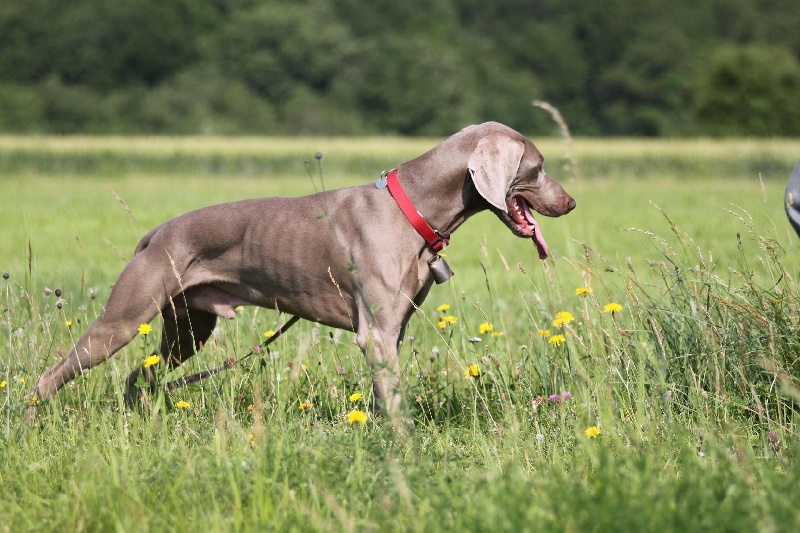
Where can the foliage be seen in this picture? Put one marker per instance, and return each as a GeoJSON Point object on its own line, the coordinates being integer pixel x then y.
{"type": "Point", "coordinates": [750, 91]}
{"type": "Point", "coordinates": [621, 67]}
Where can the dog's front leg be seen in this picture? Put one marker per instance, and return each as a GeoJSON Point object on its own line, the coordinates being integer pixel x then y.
{"type": "Point", "coordinates": [380, 348]}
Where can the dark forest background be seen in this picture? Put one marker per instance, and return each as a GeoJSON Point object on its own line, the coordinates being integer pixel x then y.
{"type": "Point", "coordinates": [413, 67]}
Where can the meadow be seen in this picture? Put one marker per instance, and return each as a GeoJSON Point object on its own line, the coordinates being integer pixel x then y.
{"type": "Point", "coordinates": [646, 376]}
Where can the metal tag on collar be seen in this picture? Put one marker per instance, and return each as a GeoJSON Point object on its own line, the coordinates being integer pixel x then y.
{"type": "Point", "coordinates": [381, 182]}
{"type": "Point", "coordinates": [440, 269]}
{"type": "Point", "coordinates": [440, 243]}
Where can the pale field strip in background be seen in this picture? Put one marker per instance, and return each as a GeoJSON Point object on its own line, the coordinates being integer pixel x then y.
{"type": "Point", "coordinates": [590, 147]}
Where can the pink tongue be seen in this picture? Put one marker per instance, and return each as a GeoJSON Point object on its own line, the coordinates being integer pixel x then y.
{"type": "Point", "coordinates": [538, 238]}
{"type": "Point", "coordinates": [541, 246]}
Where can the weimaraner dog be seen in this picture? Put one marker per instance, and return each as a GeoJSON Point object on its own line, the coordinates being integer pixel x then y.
{"type": "Point", "coordinates": [791, 199]}
{"type": "Point", "coordinates": [347, 258]}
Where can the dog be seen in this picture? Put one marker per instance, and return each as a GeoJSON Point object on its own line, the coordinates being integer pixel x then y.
{"type": "Point", "coordinates": [360, 258]}
{"type": "Point", "coordinates": [791, 199]}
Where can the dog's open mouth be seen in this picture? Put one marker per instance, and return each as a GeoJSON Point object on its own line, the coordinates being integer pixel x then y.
{"type": "Point", "coordinates": [525, 225]}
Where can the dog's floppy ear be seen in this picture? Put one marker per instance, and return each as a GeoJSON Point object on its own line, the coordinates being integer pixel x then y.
{"type": "Point", "coordinates": [493, 165]}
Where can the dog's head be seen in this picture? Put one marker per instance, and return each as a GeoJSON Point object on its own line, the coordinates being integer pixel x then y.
{"type": "Point", "coordinates": [508, 173]}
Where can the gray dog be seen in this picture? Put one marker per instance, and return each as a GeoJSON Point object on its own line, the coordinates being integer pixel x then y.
{"type": "Point", "coordinates": [355, 258]}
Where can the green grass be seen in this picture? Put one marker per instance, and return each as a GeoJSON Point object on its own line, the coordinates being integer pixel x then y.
{"type": "Point", "coordinates": [694, 384]}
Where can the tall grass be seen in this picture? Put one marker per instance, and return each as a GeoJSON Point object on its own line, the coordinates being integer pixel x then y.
{"type": "Point", "coordinates": [693, 384]}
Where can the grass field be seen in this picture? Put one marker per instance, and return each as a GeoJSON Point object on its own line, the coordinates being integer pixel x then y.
{"type": "Point", "coordinates": [694, 385]}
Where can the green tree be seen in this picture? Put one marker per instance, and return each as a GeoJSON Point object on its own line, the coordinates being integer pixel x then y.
{"type": "Point", "coordinates": [418, 86]}
{"type": "Point", "coordinates": [20, 109]}
{"type": "Point", "coordinates": [278, 46]}
{"type": "Point", "coordinates": [617, 67]}
{"type": "Point", "coordinates": [202, 100]}
{"type": "Point", "coordinates": [749, 90]}
{"type": "Point", "coordinates": [25, 48]}
{"type": "Point", "coordinates": [104, 44]}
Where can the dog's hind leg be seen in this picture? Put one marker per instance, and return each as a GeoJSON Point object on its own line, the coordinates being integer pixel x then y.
{"type": "Point", "coordinates": [185, 331]}
{"type": "Point", "coordinates": [137, 297]}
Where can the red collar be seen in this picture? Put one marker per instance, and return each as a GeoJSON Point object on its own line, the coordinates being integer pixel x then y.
{"type": "Point", "coordinates": [435, 240]}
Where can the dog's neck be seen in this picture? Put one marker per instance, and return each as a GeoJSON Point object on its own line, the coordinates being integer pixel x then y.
{"type": "Point", "coordinates": [428, 190]}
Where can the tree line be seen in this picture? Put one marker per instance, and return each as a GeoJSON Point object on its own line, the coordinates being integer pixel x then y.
{"type": "Point", "coordinates": [411, 67]}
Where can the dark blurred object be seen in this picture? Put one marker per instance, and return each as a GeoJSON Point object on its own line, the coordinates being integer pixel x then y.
{"type": "Point", "coordinates": [791, 200]}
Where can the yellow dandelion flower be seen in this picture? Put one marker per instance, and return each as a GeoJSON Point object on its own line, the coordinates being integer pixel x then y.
{"type": "Point", "coordinates": [150, 361]}
{"type": "Point", "coordinates": [450, 319]}
{"type": "Point", "coordinates": [612, 308]}
{"type": "Point", "coordinates": [356, 396]}
{"type": "Point", "coordinates": [592, 432]}
{"type": "Point", "coordinates": [145, 329]}
{"type": "Point", "coordinates": [472, 371]}
{"type": "Point", "coordinates": [442, 324]}
{"type": "Point", "coordinates": [443, 308]}
{"type": "Point", "coordinates": [251, 437]}
{"type": "Point", "coordinates": [497, 334]}
{"type": "Point", "coordinates": [69, 323]}
{"type": "Point", "coordinates": [22, 381]}
{"type": "Point", "coordinates": [563, 317]}
{"type": "Point", "coordinates": [556, 340]}
{"type": "Point", "coordinates": [182, 404]}
{"type": "Point", "coordinates": [239, 308]}
{"type": "Point", "coordinates": [34, 400]}
{"type": "Point", "coordinates": [544, 333]}
{"type": "Point", "coordinates": [583, 291]}
{"type": "Point", "coordinates": [269, 334]}
{"type": "Point", "coordinates": [305, 405]}
{"type": "Point", "coordinates": [357, 417]}
{"type": "Point", "coordinates": [484, 328]}
{"type": "Point", "coordinates": [3, 384]}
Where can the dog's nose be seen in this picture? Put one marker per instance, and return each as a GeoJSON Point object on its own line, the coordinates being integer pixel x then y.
{"type": "Point", "coordinates": [570, 203]}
